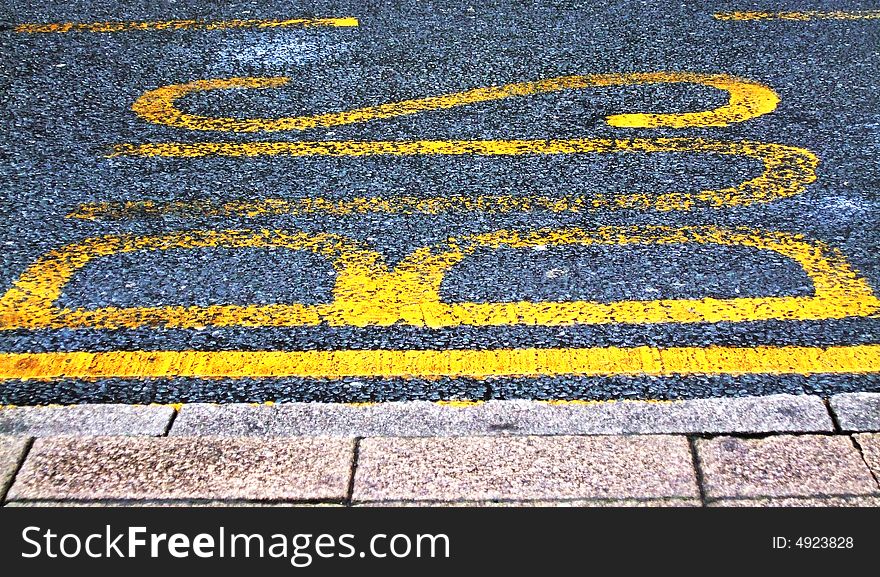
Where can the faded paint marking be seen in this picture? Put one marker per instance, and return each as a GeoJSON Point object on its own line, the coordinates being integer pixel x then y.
{"type": "Point", "coordinates": [787, 172]}
{"type": "Point", "coordinates": [449, 363]}
{"type": "Point", "coordinates": [368, 293]}
{"type": "Point", "coordinates": [747, 99]}
{"type": "Point", "coordinates": [59, 27]}
{"type": "Point", "coordinates": [806, 15]}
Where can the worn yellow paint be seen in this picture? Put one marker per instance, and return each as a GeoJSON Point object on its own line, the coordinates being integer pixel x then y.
{"type": "Point", "coordinates": [368, 293]}
{"type": "Point", "coordinates": [564, 402]}
{"type": "Point", "coordinates": [57, 27]}
{"type": "Point", "coordinates": [787, 171]}
{"type": "Point", "coordinates": [446, 363]}
{"type": "Point", "coordinates": [38, 288]}
{"type": "Point", "coordinates": [459, 403]}
{"type": "Point", "coordinates": [747, 99]}
{"type": "Point", "coordinates": [455, 403]}
{"type": "Point", "coordinates": [805, 15]}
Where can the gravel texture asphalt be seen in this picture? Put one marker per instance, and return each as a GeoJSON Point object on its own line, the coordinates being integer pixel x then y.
{"type": "Point", "coordinates": [67, 101]}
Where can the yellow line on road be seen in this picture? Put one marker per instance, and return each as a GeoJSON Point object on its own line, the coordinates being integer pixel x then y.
{"type": "Point", "coordinates": [56, 27]}
{"type": "Point", "coordinates": [453, 403]}
{"type": "Point", "coordinates": [367, 292]}
{"type": "Point", "coordinates": [807, 15]}
{"type": "Point", "coordinates": [787, 171]}
{"type": "Point", "coordinates": [530, 362]}
{"type": "Point", "coordinates": [747, 99]}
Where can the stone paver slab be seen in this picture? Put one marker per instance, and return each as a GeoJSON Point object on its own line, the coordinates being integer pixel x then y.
{"type": "Point", "coordinates": [115, 468]}
{"type": "Point", "coordinates": [571, 503]}
{"type": "Point", "coordinates": [857, 501]}
{"type": "Point", "coordinates": [869, 443]}
{"type": "Point", "coordinates": [89, 419]}
{"type": "Point", "coordinates": [857, 411]}
{"type": "Point", "coordinates": [182, 503]}
{"type": "Point", "coordinates": [12, 449]}
{"type": "Point", "coordinates": [524, 468]}
{"type": "Point", "coordinates": [773, 413]}
{"type": "Point", "coordinates": [783, 466]}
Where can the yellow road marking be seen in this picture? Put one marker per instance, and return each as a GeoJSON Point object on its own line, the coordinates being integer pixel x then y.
{"type": "Point", "coordinates": [747, 99]}
{"type": "Point", "coordinates": [56, 27]}
{"type": "Point", "coordinates": [458, 403]}
{"type": "Point", "coordinates": [806, 15]}
{"type": "Point", "coordinates": [532, 362]}
{"type": "Point", "coordinates": [454, 403]}
{"type": "Point", "coordinates": [368, 293]}
{"type": "Point", "coordinates": [787, 171]}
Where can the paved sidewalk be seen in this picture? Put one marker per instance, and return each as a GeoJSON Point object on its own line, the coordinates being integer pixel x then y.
{"type": "Point", "coordinates": [781, 450]}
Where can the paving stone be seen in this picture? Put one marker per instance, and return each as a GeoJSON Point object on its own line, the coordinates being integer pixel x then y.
{"type": "Point", "coordinates": [182, 503]}
{"type": "Point", "coordinates": [870, 447]}
{"type": "Point", "coordinates": [524, 468]}
{"type": "Point", "coordinates": [145, 468]}
{"type": "Point", "coordinates": [857, 411]}
{"type": "Point", "coordinates": [86, 420]}
{"type": "Point", "coordinates": [855, 501]}
{"type": "Point", "coordinates": [774, 413]}
{"type": "Point", "coordinates": [571, 503]}
{"type": "Point", "coordinates": [783, 466]}
{"type": "Point", "coordinates": [230, 420]}
{"type": "Point", "coordinates": [12, 450]}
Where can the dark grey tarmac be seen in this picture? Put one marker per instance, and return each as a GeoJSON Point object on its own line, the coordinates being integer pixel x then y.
{"type": "Point", "coordinates": [66, 101]}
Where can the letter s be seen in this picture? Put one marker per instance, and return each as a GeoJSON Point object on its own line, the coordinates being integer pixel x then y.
{"type": "Point", "coordinates": [31, 541]}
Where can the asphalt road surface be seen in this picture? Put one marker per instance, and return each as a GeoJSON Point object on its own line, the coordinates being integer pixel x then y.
{"type": "Point", "coordinates": [437, 200]}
